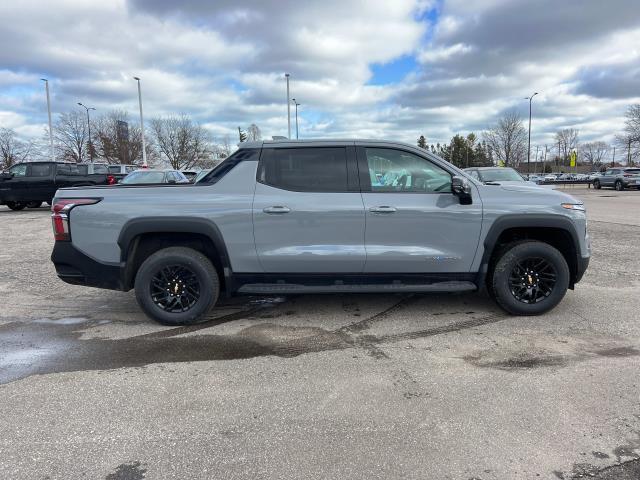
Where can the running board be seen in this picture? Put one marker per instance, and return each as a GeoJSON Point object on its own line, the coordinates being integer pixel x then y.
{"type": "Point", "coordinates": [291, 288]}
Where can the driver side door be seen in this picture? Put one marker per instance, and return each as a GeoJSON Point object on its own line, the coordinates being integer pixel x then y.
{"type": "Point", "coordinates": [414, 223]}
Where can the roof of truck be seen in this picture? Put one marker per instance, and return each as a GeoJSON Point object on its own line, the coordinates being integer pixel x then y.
{"type": "Point", "coordinates": [321, 141]}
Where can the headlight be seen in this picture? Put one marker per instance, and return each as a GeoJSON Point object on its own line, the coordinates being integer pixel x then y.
{"type": "Point", "coordinates": [574, 206]}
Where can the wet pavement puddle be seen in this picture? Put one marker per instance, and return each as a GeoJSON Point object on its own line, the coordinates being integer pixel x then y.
{"type": "Point", "coordinates": [49, 346]}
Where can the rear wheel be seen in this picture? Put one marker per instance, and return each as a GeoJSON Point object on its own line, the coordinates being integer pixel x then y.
{"type": "Point", "coordinates": [619, 186]}
{"type": "Point", "coordinates": [177, 286]}
{"type": "Point", "coordinates": [16, 205]}
{"type": "Point", "coordinates": [34, 204]}
{"type": "Point", "coordinates": [596, 184]}
{"type": "Point", "coordinates": [530, 278]}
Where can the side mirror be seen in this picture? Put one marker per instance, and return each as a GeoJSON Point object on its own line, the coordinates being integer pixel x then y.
{"type": "Point", "coordinates": [171, 180]}
{"type": "Point", "coordinates": [6, 176]}
{"type": "Point", "coordinates": [461, 188]}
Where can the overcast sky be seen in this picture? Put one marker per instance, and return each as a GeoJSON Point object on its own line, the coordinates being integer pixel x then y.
{"type": "Point", "coordinates": [375, 68]}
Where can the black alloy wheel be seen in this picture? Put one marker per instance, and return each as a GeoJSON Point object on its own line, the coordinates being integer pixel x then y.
{"type": "Point", "coordinates": [529, 277]}
{"type": "Point", "coordinates": [532, 280]}
{"type": "Point", "coordinates": [175, 288]}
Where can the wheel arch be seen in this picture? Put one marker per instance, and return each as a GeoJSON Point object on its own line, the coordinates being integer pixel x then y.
{"type": "Point", "coordinates": [142, 237]}
{"type": "Point", "coordinates": [555, 230]}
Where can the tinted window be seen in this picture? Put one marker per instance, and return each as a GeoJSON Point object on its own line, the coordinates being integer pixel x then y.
{"type": "Point", "coordinates": [19, 170]}
{"type": "Point", "coordinates": [82, 170]}
{"type": "Point", "coordinates": [244, 154]}
{"type": "Point", "coordinates": [398, 171]}
{"type": "Point", "coordinates": [99, 168]}
{"type": "Point", "coordinates": [321, 169]}
{"type": "Point", "coordinates": [63, 169]}
{"type": "Point", "coordinates": [114, 168]}
{"type": "Point", "coordinates": [40, 170]}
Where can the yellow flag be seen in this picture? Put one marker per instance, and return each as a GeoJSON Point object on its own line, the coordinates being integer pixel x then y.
{"type": "Point", "coordinates": [573, 157]}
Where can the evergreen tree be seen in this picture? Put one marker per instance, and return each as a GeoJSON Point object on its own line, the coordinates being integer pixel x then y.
{"type": "Point", "coordinates": [422, 142]}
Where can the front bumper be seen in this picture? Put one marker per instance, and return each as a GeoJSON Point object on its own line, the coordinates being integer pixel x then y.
{"type": "Point", "coordinates": [77, 268]}
{"type": "Point", "coordinates": [582, 265]}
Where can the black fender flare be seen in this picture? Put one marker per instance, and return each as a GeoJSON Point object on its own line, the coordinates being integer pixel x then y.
{"type": "Point", "coordinates": [532, 221]}
{"type": "Point", "coordinates": [138, 226]}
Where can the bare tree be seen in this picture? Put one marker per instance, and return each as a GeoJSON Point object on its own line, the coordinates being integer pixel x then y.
{"type": "Point", "coordinates": [632, 123]}
{"type": "Point", "coordinates": [632, 133]}
{"type": "Point", "coordinates": [118, 141]}
{"type": "Point", "coordinates": [12, 149]}
{"type": "Point", "coordinates": [183, 143]}
{"type": "Point", "coordinates": [225, 147]}
{"type": "Point", "coordinates": [567, 140]}
{"type": "Point", "coordinates": [253, 133]}
{"type": "Point", "coordinates": [594, 152]}
{"type": "Point", "coordinates": [507, 139]}
{"type": "Point", "coordinates": [629, 147]}
{"type": "Point", "coordinates": [70, 136]}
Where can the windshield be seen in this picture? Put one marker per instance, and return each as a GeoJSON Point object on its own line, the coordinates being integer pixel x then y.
{"type": "Point", "coordinates": [143, 177]}
{"type": "Point", "coordinates": [500, 175]}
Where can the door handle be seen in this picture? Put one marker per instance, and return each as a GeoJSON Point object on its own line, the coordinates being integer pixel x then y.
{"type": "Point", "coordinates": [382, 209]}
{"type": "Point", "coordinates": [276, 209]}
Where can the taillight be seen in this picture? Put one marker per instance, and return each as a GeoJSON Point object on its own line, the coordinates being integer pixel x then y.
{"type": "Point", "coordinates": [60, 217]}
{"type": "Point", "coordinates": [111, 180]}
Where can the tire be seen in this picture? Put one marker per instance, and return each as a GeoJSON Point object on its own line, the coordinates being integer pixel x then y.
{"type": "Point", "coordinates": [178, 266]}
{"type": "Point", "coordinates": [16, 205]}
{"type": "Point", "coordinates": [520, 259]}
{"type": "Point", "coordinates": [596, 184]}
{"type": "Point", "coordinates": [34, 204]}
{"type": "Point", "coordinates": [619, 186]}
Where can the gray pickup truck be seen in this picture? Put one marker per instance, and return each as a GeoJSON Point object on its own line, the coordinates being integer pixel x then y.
{"type": "Point", "coordinates": [294, 217]}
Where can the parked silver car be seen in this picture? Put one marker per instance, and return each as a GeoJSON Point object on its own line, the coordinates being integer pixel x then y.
{"type": "Point", "coordinates": [619, 178]}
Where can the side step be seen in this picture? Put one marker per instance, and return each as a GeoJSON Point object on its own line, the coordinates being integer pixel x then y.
{"type": "Point", "coordinates": [292, 288]}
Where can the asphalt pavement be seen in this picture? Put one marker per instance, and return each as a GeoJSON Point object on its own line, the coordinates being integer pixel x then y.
{"type": "Point", "coordinates": [325, 386]}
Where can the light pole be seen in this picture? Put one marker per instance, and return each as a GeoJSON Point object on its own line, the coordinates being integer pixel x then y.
{"type": "Point", "coordinates": [144, 147]}
{"type": "Point", "coordinates": [46, 86]}
{"type": "Point", "coordinates": [296, 104]}
{"type": "Point", "coordinates": [529, 142]}
{"type": "Point", "coordinates": [89, 128]}
{"type": "Point", "coordinates": [288, 108]}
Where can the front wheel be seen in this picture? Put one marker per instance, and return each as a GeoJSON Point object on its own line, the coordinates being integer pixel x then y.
{"type": "Point", "coordinates": [596, 184]}
{"type": "Point", "coordinates": [618, 186]}
{"type": "Point", "coordinates": [530, 278]}
{"type": "Point", "coordinates": [16, 205]}
{"type": "Point", "coordinates": [177, 286]}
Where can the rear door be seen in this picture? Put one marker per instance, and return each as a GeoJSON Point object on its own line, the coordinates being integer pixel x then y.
{"type": "Point", "coordinates": [41, 186]}
{"type": "Point", "coordinates": [308, 213]}
{"type": "Point", "coordinates": [414, 223]}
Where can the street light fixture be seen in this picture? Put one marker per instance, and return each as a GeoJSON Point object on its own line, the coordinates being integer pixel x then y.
{"type": "Point", "coordinates": [46, 86]}
{"type": "Point", "coordinates": [89, 127]}
{"type": "Point", "coordinates": [529, 142]}
{"type": "Point", "coordinates": [288, 108]}
{"type": "Point", "coordinates": [296, 104]}
{"type": "Point", "coordinates": [144, 148]}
